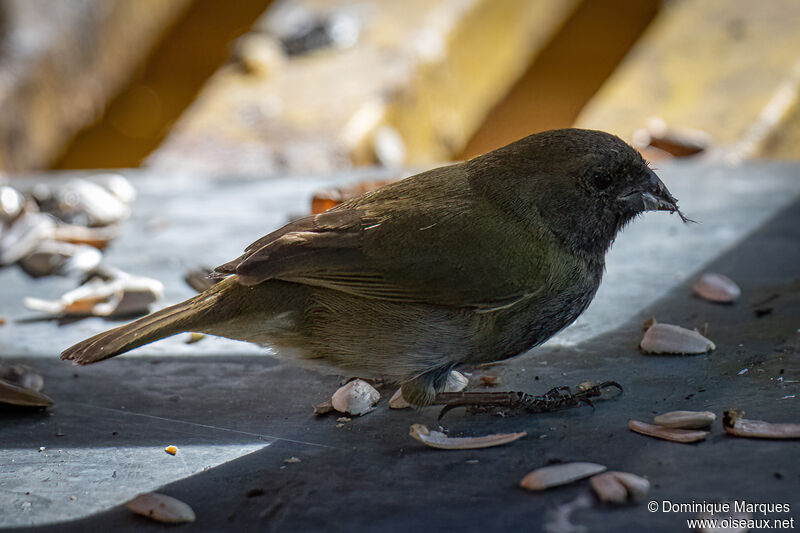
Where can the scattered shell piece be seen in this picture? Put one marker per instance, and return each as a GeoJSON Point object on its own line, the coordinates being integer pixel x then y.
{"type": "Point", "coordinates": [161, 508]}
{"type": "Point", "coordinates": [260, 53]}
{"type": "Point", "coordinates": [437, 439]}
{"type": "Point", "coordinates": [124, 294]}
{"type": "Point", "coordinates": [83, 202]}
{"type": "Point", "coordinates": [344, 419]}
{"type": "Point", "coordinates": [670, 339]}
{"type": "Point", "coordinates": [489, 380]}
{"type": "Point", "coordinates": [456, 382]}
{"type": "Point", "coordinates": [619, 487]}
{"type": "Point", "coordinates": [397, 401]}
{"type": "Point", "coordinates": [559, 474]}
{"type": "Point", "coordinates": [355, 398]}
{"type": "Point", "coordinates": [24, 234]}
{"type": "Point", "coordinates": [116, 184]}
{"type": "Point", "coordinates": [292, 460]}
{"type": "Point", "coordinates": [686, 419]}
{"type": "Point", "coordinates": [684, 436]}
{"type": "Point", "coordinates": [171, 449]}
{"type": "Point", "coordinates": [323, 408]}
{"type": "Point", "coordinates": [12, 202]}
{"type": "Point", "coordinates": [95, 237]}
{"type": "Point", "coordinates": [60, 258]}
{"type": "Point", "coordinates": [717, 288]}
{"type": "Point", "coordinates": [195, 337]}
{"type": "Point", "coordinates": [23, 376]}
{"type": "Point", "coordinates": [735, 424]}
{"type": "Point", "coordinates": [13, 394]}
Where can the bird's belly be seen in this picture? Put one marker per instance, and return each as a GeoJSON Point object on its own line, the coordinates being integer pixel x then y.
{"type": "Point", "coordinates": [515, 331]}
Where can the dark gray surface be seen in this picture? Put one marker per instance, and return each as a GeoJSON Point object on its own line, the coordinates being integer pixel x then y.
{"type": "Point", "coordinates": [369, 475]}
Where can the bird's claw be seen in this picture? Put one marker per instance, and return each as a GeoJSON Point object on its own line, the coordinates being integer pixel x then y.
{"type": "Point", "coordinates": [555, 399]}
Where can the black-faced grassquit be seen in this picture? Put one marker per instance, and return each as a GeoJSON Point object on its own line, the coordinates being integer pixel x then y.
{"type": "Point", "coordinates": [465, 264]}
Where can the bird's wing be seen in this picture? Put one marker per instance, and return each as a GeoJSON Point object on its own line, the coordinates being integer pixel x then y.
{"type": "Point", "coordinates": [446, 255]}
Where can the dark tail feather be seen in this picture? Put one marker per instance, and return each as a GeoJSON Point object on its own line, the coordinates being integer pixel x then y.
{"type": "Point", "coordinates": [185, 316]}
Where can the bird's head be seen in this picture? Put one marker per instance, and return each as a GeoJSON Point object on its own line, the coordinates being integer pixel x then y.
{"type": "Point", "coordinates": [583, 185]}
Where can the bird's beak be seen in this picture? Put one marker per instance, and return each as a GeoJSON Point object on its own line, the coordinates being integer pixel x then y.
{"type": "Point", "coordinates": [653, 195]}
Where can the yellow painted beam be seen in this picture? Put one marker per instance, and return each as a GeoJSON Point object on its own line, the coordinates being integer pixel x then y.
{"type": "Point", "coordinates": [728, 67]}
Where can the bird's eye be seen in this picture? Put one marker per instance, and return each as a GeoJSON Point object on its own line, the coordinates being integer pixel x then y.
{"type": "Point", "coordinates": [601, 180]}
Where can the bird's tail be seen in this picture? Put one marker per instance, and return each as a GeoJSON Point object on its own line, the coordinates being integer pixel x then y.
{"type": "Point", "coordinates": [185, 316]}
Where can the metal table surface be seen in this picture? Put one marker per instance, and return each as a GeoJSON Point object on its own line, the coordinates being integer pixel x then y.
{"type": "Point", "coordinates": [237, 413]}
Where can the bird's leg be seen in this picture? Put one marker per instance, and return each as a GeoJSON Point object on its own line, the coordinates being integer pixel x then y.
{"type": "Point", "coordinates": [553, 400]}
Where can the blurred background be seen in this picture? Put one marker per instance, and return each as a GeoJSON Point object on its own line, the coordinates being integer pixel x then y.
{"type": "Point", "coordinates": [312, 86]}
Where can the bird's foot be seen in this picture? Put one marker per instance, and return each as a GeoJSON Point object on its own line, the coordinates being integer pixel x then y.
{"type": "Point", "coordinates": [553, 400]}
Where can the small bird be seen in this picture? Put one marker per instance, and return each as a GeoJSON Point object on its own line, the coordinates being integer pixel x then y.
{"type": "Point", "coordinates": [461, 265]}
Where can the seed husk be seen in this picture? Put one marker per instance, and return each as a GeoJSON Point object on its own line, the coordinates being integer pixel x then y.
{"type": "Point", "coordinates": [102, 296]}
{"type": "Point", "coordinates": [670, 339]}
{"type": "Point", "coordinates": [619, 487]}
{"type": "Point", "coordinates": [323, 408]}
{"type": "Point", "coordinates": [355, 398]}
{"type": "Point", "coordinates": [684, 436]}
{"type": "Point", "coordinates": [397, 401]}
{"type": "Point", "coordinates": [456, 382]}
{"type": "Point", "coordinates": [13, 394]}
{"type": "Point", "coordinates": [716, 288]}
{"type": "Point", "coordinates": [559, 474]}
{"type": "Point", "coordinates": [60, 258]}
{"type": "Point", "coordinates": [437, 439]}
{"type": "Point", "coordinates": [685, 419]}
{"type": "Point", "coordinates": [161, 508]}
{"type": "Point", "coordinates": [735, 424]}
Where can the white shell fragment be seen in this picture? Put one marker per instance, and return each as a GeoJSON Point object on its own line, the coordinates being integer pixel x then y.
{"type": "Point", "coordinates": [355, 398]}
{"type": "Point", "coordinates": [60, 258]}
{"type": "Point", "coordinates": [397, 401]}
{"type": "Point", "coordinates": [96, 237]}
{"type": "Point", "coordinates": [84, 202]}
{"type": "Point", "coordinates": [24, 234]}
{"type": "Point", "coordinates": [116, 184]}
{"type": "Point", "coordinates": [685, 419]}
{"type": "Point", "coordinates": [121, 295]}
{"type": "Point", "coordinates": [559, 474]}
{"type": "Point", "coordinates": [684, 436]}
{"type": "Point", "coordinates": [734, 424]}
{"type": "Point", "coordinates": [670, 339]}
{"type": "Point", "coordinates": [11, 203]}
{"type": "Point", "coordinates": [717, 288]}
{"type": "Point", "coordinates": [456, 382]}
{"type": "Point", "coordinates": [437, 439]}
{"type": "Point", "coordinates": [619, 487]}
{"type": "Point", "coordinates": [161, 507]}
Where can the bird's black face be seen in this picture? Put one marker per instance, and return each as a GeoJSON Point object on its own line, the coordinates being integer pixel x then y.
{"type": "Point", "coordinates": [584, 184]}
{"type": "Point", "coordinates": [627, 186]}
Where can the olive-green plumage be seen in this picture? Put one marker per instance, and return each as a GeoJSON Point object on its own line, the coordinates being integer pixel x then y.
{"type": "Point", "coordinates": [469, 263]}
